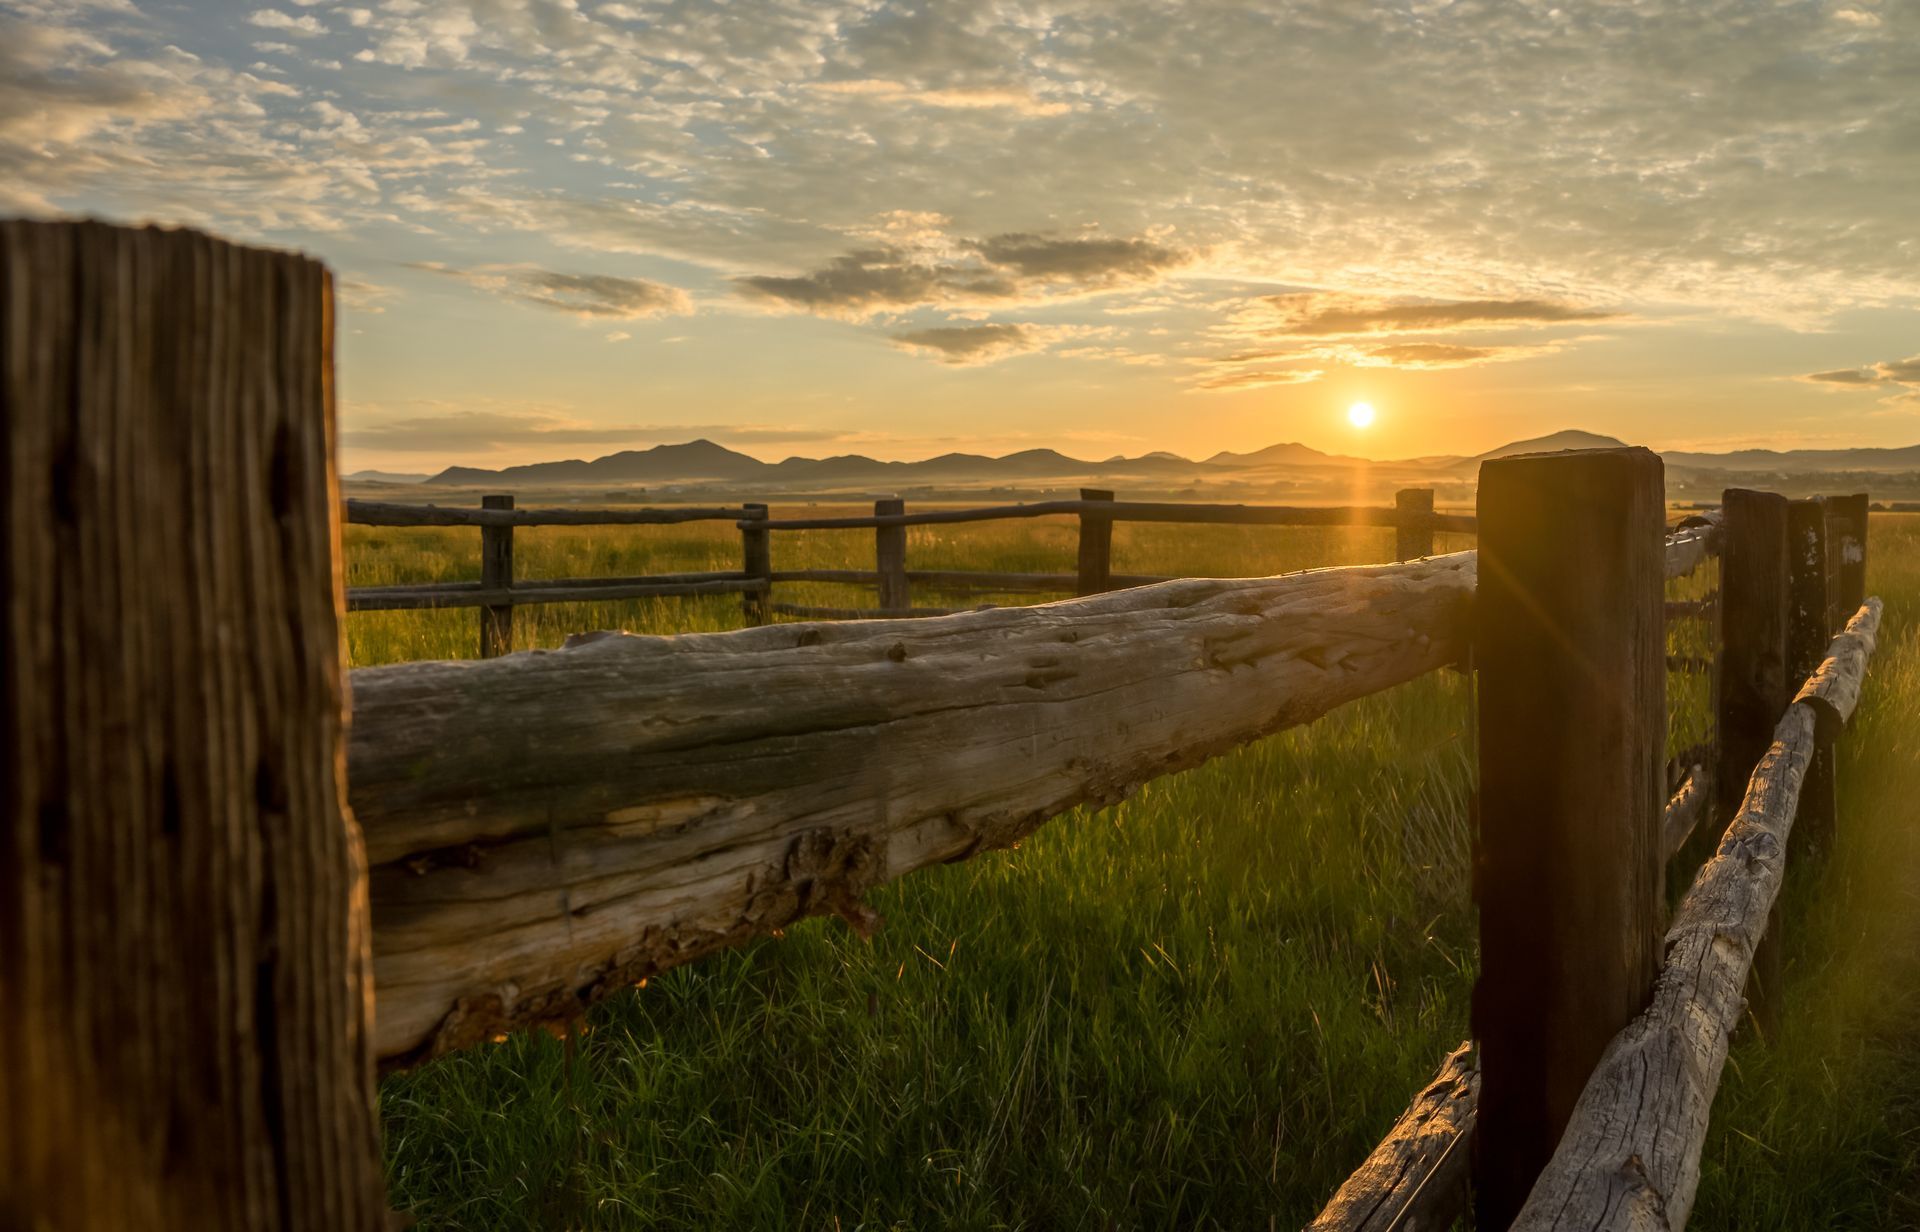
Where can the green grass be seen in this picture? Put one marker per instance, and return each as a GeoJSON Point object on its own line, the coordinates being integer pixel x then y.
{"type": "Point", "coordinates": [1822, 1129]}
{"type": "Point", "coordinates": [1199, 1008]}
{"type": "Point", "coordinates": [386, 557]}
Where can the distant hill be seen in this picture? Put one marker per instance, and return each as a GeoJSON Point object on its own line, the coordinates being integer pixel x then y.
{"type": "Point", "coordinates": [382, 477]}
{"type": "Point", "coordinates": [704, 463]}
{"type": "Point", "coordinates": [1290, 454]}
{"type": "Point", "coordinates": [1802, 461]}
{"type": "Point", "coordinates": [1571, 438]}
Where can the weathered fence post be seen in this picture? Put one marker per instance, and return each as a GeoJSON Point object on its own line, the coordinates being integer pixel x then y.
{"type": "Point", "coordinates": [1570, 648]}
{"type": "Point", "coordinates": [1809, 627]}
{"type": "Point", "coordinates": [890, 557]}
{"type": "Point", "coordinates": [1754, 687]}
{"type": "Point", "coordinates": [1413, 523]}
{"type": "Point", "coordinates": [1847, 542]}
{"type": "Point", "coordinates": [496, 573]}
{"type": "Point", "coordinates": [756, 561]}
{"type": "Point", "coordinates": [1096, 546]}
{"type": "Point", "coordinates": [187, 1014]}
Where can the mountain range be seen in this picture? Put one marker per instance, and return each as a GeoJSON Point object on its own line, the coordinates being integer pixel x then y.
{"type": "Point", "coordinates": [704, 463]}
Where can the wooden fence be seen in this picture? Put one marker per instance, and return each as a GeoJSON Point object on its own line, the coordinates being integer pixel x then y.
{"type": "Point", "coordinates": [202, 849]}
{"type": "Point", "coordinates": [498, 592]}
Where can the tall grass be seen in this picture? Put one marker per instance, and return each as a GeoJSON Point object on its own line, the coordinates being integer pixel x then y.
{"type": "Point", "coordinates": [1821, 1129]}
{"type": "Point", "coordinates": [1198, 1008]}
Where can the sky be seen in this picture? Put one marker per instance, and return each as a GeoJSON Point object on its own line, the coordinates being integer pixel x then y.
{"type": "Point", "coordinates": [561, 228]}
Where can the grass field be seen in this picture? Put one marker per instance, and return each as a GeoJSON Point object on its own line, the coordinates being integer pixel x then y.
{"type": "Point", "coordinates": [1197, 1009]}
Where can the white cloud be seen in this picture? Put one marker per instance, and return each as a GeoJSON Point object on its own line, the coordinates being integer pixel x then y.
{"type": "Point", "coordinates": [305, 25]}
{"type": "Point", "coordinates": [856, 157]}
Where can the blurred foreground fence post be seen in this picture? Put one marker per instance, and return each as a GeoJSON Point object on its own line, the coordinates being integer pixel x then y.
{"type": "Point", "coordinates": [1754, 685]}
{"type": "Point", "coordinates": [187, 1007]}
{"type": "Point", "coordinates": [890, 558]}
{"type": "Point", "coordinates": [1570, 650]}
{"type": "Point", "coordinates": [756, 561]}
{"type": "Point", "coordinates": [1413, 523]}
{"type": "Point", "coordinates": [1095, 568]}
{"type": "Point", "coordinates": [496, 573]}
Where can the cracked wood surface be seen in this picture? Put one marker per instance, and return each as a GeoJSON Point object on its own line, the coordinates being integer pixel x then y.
{"type": "Point", "coordinates": [1683, 811]}
{"type": "Point", "coordinates": [1416, 1179]}
{"type": "Point", "coordinates": [185, 1008]}
{"type": "Point", "coordinates": [1630, 1157]}
{"type": "Point", "coordinates": [551, 826]}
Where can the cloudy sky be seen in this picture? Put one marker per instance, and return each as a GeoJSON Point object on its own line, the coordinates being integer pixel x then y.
{"type": "Point", "coordinates": [565, 227]}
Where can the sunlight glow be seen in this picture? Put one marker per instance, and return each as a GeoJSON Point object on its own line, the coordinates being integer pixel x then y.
{"type": "Point", "coordinates": [1360, 414]}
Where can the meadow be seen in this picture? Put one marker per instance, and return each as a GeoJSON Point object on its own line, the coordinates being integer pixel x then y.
{"type": "Point", "coordinates": [1199, 1008]}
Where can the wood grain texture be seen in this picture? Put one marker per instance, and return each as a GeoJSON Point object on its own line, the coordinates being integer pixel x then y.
{"type": "Point", "coordinates": [552, 826]}
{"type": "Point", "coordinates": [1833, 690]}
{"type": "Point", "coordinates": [1568, 859]}
{"type": "Point", "coordinates": [1630, 1158]}
{"type": "Point", "coordinates": [1752, 684]}
{"type": "Point", "coordinates": [1810, 622]}
{"type": "Point", "coordinates": [1684, 810]}
{"type": "Point", "coordinates": [185, 1021]}
{"type": "Point", "coordinates": [1416, 1179]}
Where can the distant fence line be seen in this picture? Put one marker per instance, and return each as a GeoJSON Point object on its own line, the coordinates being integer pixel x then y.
{"type": "Point", "coordinates": [1411, 517]}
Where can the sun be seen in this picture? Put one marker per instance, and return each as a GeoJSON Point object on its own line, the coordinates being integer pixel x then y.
{"type": "Point", "coordinates": [1360, 414]}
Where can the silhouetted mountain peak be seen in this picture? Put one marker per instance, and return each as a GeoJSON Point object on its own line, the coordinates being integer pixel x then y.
{"type": "Point", "coordinates": [1569, 438]}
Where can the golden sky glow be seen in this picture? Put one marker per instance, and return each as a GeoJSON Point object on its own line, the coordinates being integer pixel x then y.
{"type": "Point", "coordinates": [823, 226]}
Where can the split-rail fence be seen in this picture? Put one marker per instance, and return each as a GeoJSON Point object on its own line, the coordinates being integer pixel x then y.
{"type": "Point", "coordinates": [214, 873]}
{"type": "Point", "coordinates": [1412, 518]}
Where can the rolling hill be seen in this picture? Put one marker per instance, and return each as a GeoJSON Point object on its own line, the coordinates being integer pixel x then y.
{"type": "Point", "coordinates": [704, 463]}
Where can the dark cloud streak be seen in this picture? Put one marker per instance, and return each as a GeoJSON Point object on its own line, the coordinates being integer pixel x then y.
{"type": "Point", "coordinates": [1015, 267]}
{"type": "Point", "coordinates": [588, 295]}
{"type": "Point", "coordinates": [972, 344]}
{"type": "Point", "coordinates": [1322, 316]}
{"type": "Point", "coordinates": [1904, 373]}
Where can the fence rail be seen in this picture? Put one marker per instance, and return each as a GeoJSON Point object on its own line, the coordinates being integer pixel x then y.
{"type": "Point", "coordinates": [1411, 517]}
{"type": "Point", "coordinates": [740, 754]}
{"type": "Point", "coordinates": [684, 793]}
{"type": "Point", "coordinates": [388, 513]}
